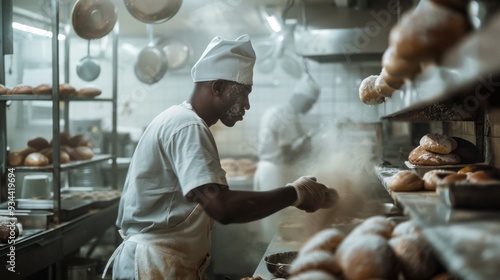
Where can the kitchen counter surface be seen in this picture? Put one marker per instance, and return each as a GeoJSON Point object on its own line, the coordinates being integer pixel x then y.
{"type": "Point", "coordinates": [466, 241]}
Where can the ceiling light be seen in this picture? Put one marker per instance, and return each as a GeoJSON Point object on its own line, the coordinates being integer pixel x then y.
{"type": "Point", "coordinates": [274, 22]}
{"type": "Point", "coordinates": [36, 31]}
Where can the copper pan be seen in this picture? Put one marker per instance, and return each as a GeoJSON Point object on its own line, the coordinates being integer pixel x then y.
{"type": "Point", "coordinates": [93, 19]}
{"type": "Point", "coordinates": [153, 11]}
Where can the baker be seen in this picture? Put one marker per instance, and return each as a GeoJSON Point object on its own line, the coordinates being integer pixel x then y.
{"type": "Point", "coordinates": [175, 187]}
{"type": "Point", "coordinates": [282, 143]}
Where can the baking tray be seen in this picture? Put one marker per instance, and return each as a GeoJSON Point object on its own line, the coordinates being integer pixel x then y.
{"type": "Point", "coordinates": [70, 208]}
{"type": "Point", "coordinates": [422, 169]}
{"type": "Point", "coordinates": [30, 219]}
{"type": "Point", "coordinates": [465, 195]}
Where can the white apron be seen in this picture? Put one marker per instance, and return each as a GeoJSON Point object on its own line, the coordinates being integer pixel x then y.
{"type": "Point", "coordinates": [180, 252]}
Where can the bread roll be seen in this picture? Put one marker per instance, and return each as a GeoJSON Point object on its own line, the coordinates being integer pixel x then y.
{"type": "Point", "coordinates": [66, 90]}
{"type": "Point", "coordinates": [377, 225]}
{"type": "Point", "coordinates": [415, 256]}
{"type": "Point", "coordinates": [313, 275]}
{"type": "Point", "coordinates": [367, 92]}
{"type": "Point", "coordinates": [453, 178]}
{"type": "Point", "coordinates": [36, 159]}
{"type": "Point", "coordinates": [88, 92]}
{"type": "Point", "coordinates": [38, 143]}
{"type": "Point", "coordinates": [474, 168]}
{"type": "Point", "coordinates": [315, 260]}
{"type": "Point", "coordinates": [383, 88]}
{"type": "Point", "coordinates": [405, 181]}
{"type": "Point", "coordinates": [3, 90]}
{"type": "Point", "coordinates": [325, 240]}
{"type": "Point", "coordinates": [367, 256]}
{"type": "Point", "coordinates": [79, 140]}
{"type": "Point", "coordinates": [16, 158]}
{"type": "Point", "coordinates": [49, 153]}
{"type": "Point", "coordinates": [467, 151]}
{"type": "Point", "coordinates": [420, 156]}
{"type": "Point", "coordinates": [7, 226]}
{"type": "Point", "coordinates": [391, 81]}
{"type": "Point", "coordinates": [404, 228]}
{"type": "Point", "coordinates": [433, 178]}
{"type": "Point", "coordinates": [481, 177]}
{"type": "Point", "coordinates": [398, 67]}
{"type": "Point", "coordinates": [21, 89]}
{"type": "Point", "coordinates": [438, 143]}
{"type": "Point", "coordinates": [43, 89]}
{"type": "Point", "coordinates": [81, 153]}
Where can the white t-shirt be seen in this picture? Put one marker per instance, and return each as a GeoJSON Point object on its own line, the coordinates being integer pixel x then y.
{"type": "Point", "coordinates": [176, 154]}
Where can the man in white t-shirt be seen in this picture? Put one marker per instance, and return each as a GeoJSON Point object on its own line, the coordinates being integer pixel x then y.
{"type": "Point", "coordinates": [175, 187]}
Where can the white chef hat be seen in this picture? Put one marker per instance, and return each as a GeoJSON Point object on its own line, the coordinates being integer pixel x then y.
{"type": "Point", "coordinates": [307, 86]}
{"type": "Point", "coordinates": [226, 60]}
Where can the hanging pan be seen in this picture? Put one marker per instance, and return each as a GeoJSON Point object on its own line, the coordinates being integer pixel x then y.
{"type": "Point", "coordinates": [88, 68]}
{"type": "Point", "coordinates": [153, 11]}
{"type": "Point", "coordinates": [152, 63]}
{"type": "Point", "coordinates": [93, 19]}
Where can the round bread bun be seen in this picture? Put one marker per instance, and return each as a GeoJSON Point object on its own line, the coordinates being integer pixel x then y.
{"type": "Point", "coordinates": [406, 227]}
{"type": "Point", "coordinates": [21, 89]}
{"type": "Point", "coordinates": [66, 89]}
{"type": "Point", "coordinates": [474, 168]}
{"type": "Point", "coordinates": [377, 225]}
{"type": "Point", "coordinates": [391, 81]}
{"type": "Point", "coordinates": [481, 177]}
{"type": "Point", "coordinates": [84, 152]}
{"type": "Point", "coordinates": [405, 181]}
{"type": "Point", "coordinates": [398, 67]}
{"type": "Point", "coordinates": [315, 260]}
{"type": "Point", "coordinates": [382, 88]}
{"type": "Point", "coordinates": [313, 275]}
{"type": "Point", "coordinates": [367, 92]}
{"type": "Point", "coordinates": [433, 178]}
{"type": "Point", "coordinates": [3, 90]}
{"type": "Point", "coordinates": [44, 89]}
{"type": "Point", "coordinates": [36, 159]}
{"type": "Point", "coordinates": [438, 143]}
{"type": "Point", "coordinates": [467, 151]}
{"type": "Point", "coordinates": [415, 256]}
{"type": "Point", "coordinates": [88, 92]}
{"type": "Point", "coordinates": [324, 240]}
{"type": "Point", "coordinates": [453, 178]}
{"type": "Point", "coordinates": [367, 256]}
{"type": "Point", "coordinates": [420, 156]}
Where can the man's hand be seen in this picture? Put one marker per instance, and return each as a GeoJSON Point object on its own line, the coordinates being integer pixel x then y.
{"type": "Point", "coordinates": [312, 195]}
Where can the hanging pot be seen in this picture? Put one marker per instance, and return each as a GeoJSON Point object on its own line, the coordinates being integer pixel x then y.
{"type": "Point", "coordinates": [93, 19]}
{"type": "Point", "coordinates": [152, 63]}
{"type": "Point", "coordinates": [178, 52]}
{"type": "Point", "coordinates": [88, 68]}
{"type": "Point", "coordinates": [153, 11]}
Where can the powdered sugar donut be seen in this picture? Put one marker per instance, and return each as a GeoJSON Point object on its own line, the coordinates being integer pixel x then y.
{"type": "Point", "coordinates": [367, 92]}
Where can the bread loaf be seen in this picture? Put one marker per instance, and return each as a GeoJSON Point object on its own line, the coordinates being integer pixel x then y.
{"type": "Point", "coordinates": [482, 177]}
{"type": "Point", "coordinates": [474, 168]}
{"type": "Point", "coordinates": [16, 158]}
{"type": "Point", "coordinates": [376, 225]}
{"type": "Point", "coordinates": [36, 159]}
{"type": "Point", "coordinates": [438, 143]}
{"type": "Point", "coordinates": [21, 89]}
{"type": "Point", "coordinates": [315, 260]}
{"type": "Point", "coordinates": [38, 143]}
{"type": "Point", "coordinates": [453, 178]}
{"type": "Point", "coordinates": [367, 256]}
{"type": "Point", "coordinates": [325, 240]}
{"type": "Point", "coordinates": [43, 89]}
{"type": "Point", "coordinates": [49, 153]}
{"type": "Point", "coordinates": [3, 90]}
{"type": "Point", "coordinates": [420, 156]}
{"type": "Point", "coordinates": [81, 153]}
{"type": "Point", "coordinates": [367, 92]}
{"type": "Point", "coordinates": [66, 89]}
{"type": "Point", "coordinates": [79, 140]}
{"type": "Point", "coordinates": [405, 181]}
{"type": "Point", "coordinates": [404, 228]}
{"type": "Point", "coordinates": [88, 92]}
{"type": "Point", "coordinates": [415, 256]}
{"type": "Point", "coordinates": [433, 178]}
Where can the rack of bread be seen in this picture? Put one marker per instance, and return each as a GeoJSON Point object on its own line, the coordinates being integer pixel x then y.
{"type": "Point", "coordinates": [45, 89]}
{"type": "Point", "coordinates": [39, 151]}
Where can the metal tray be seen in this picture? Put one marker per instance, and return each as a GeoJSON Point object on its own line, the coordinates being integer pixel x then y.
{"type": "Point", "coordinates": [31, 219]}
{"type": "Point", "coordinates": [70, 208]}
{"type": "Point", "coordinates": [466, 195]}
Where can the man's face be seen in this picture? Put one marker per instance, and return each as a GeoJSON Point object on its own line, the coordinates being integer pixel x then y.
{"type": "Point", "coordinates": [235, 102]}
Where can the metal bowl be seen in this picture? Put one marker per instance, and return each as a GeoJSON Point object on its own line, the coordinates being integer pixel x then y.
{"type": "Point", "coordinates": [93, 19]}
{"type": "Point", "coordinates": [279, 263]}
{"type": "Point", "coordinates": [153, 11]}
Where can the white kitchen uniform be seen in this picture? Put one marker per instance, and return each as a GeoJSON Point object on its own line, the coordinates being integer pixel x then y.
{"type": "Point", "coordinates": [279, 126]}
{"type": "Point", "coordinates": [165, 236]}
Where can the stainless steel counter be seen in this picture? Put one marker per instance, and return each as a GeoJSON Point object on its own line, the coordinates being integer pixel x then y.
{"type": "Point", "coordinates": [466, 241]}
{"type": "Point", "coordinates": [277, 245]}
